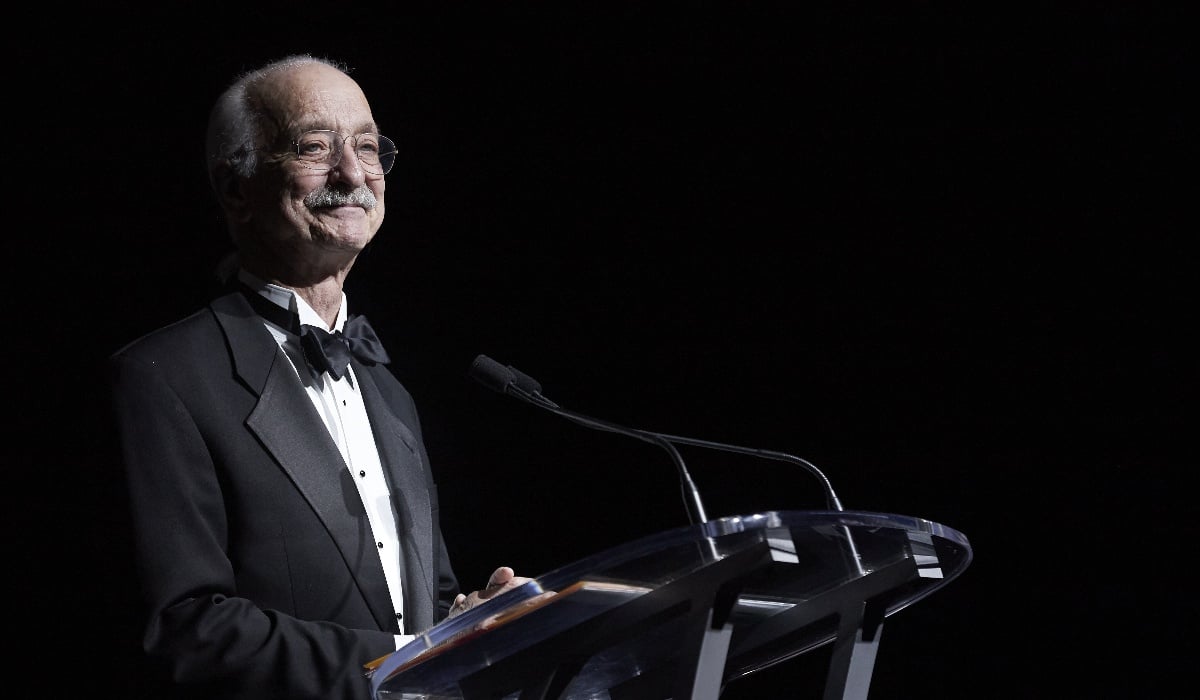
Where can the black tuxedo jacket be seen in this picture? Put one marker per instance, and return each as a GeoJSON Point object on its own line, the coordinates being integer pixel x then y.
{"type": "Point", "coordinates": [256, 560]}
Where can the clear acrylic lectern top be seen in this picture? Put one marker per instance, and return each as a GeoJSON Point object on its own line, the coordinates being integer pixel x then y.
{"type": "Point", "coordinates": [628, 622]}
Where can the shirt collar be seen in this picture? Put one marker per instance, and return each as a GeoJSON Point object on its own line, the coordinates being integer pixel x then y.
{"type": "Point", "coordinates": [288, 299]}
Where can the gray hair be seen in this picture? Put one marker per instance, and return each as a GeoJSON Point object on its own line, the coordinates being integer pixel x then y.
{"type": "Point", "coordinates": [238, 125]}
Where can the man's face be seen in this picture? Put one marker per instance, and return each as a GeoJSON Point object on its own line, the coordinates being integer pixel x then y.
{"type": "Point", "coordinates": [303, 216]}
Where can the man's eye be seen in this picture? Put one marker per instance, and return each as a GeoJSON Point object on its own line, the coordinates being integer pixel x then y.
{"type": "Point", "coordinates": [313, 148]}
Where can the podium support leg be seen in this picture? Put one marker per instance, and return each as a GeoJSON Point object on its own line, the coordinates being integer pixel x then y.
{"type": "Point", "coordinates": [854, 650]}
{"type": "Point", "coordinates": [710, 662]}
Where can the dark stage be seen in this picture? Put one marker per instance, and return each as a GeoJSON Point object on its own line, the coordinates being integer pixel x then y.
{"type": "Point", "coordinates": [935, 249]}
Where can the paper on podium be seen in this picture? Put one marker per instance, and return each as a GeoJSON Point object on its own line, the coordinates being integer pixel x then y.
{"type": "Point", "coordinates": [495, 613]}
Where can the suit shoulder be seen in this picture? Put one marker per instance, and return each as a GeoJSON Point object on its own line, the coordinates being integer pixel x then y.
{"type": "Point", "coordinates": [172, 339]}
{"type": "Point", "coordinates": [199, 329]}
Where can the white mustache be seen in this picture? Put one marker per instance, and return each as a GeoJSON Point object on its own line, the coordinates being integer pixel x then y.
{"type": "Point", "coordinates": [325, 196]}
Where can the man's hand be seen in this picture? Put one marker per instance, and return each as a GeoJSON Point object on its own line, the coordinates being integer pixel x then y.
{"type": "Point", "coordinates": [501, 581]}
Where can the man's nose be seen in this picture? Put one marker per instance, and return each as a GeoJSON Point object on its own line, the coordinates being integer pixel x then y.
{"type": "Point", "coordinates": [349, 168]}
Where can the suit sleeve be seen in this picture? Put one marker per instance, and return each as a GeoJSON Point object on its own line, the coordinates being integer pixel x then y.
{"type": "Point", "coordinates": [205, 634]}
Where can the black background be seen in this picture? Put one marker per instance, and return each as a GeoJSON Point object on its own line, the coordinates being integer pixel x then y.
{"type": "Point", "coordinates": [933, 248]}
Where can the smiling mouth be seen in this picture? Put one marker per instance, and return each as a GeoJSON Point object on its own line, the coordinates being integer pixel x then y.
{"type": "Point", "coordinates": [341, 211]}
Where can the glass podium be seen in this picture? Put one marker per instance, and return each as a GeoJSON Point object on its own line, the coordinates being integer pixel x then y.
{"type": "Point", "coordinates": [684, 612]}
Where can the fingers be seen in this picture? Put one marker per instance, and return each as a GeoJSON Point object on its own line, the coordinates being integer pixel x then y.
{"type": "Point", "coordinates": [500, 577]}
{"type": "Point", "coordinates": [501, 580]}
{"type": "Point", "coordinates": [459, 605]}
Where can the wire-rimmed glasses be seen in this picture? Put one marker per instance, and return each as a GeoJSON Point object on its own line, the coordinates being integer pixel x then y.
{"type": "Point", "coordinates": [322, 150]}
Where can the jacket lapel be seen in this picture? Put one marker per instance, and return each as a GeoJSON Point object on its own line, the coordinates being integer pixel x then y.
{"type": "Point", "coordinates": [401, 455]}
{"type": "Point", "coordinates": [288, 426]}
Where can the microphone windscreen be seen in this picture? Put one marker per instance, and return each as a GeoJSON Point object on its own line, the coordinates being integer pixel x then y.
{"type": "Point", "coordinates": [491, 374]}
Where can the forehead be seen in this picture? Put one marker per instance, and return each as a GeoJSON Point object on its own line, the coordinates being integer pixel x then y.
{"type": "Point", "coordinates": [313, 96]}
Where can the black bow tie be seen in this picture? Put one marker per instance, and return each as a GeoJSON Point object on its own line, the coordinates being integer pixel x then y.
{"type": "Point", "coordinates": [330, 352]}
{"type": "Point", "coordinates": [325, 351]}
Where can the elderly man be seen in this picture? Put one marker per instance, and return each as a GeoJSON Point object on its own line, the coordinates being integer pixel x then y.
{"type": "Point", "coordinates": [284, 509]}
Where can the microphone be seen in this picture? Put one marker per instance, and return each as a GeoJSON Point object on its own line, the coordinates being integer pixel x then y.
{"type": "Point", "coordinates": [504, 379]}
{"type": "Point", "coordinates": [509, 380]}
{"type": "Point", "coordinates": [513, 382]}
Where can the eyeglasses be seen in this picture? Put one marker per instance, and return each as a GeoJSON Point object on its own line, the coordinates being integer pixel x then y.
{"type": "Point", "coordinates": [322, 150]}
